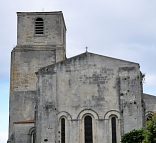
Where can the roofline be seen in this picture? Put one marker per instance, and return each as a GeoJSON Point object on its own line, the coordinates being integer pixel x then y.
{"type": "Point", "coordinates": [39, 12]}
{"type": "Point", "coordinates": [44, 13]}
{"type": "Point", "coordinates": [104, 56]}
{"type": "Point", "coordinates": [146, 94]}
{"type": "Point", "coordinates": [68, 59]}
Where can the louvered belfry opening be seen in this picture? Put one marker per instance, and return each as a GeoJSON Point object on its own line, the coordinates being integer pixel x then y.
{"type": "Point", "coordinates": [39, 26]}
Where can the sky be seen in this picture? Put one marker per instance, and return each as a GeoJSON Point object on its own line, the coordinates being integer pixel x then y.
{"type": "Point", "coordinates": [124, 29]}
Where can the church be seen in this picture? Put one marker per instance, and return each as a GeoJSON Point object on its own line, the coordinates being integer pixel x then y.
{"type": "Point", "coordinates": [88, 98]}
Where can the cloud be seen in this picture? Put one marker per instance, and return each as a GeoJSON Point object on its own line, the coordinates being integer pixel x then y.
{"type": "Point", "coordinates": [3, 137]}
{"type": "Point", "coordinates": [150, 80]}
{"type": "Point", "coordinates": [150, 84]}
{"type": "Point", "coordinates": [4, 88]}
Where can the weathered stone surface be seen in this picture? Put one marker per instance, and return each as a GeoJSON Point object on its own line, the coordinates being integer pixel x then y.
{"type": "Point", "coordinates": [22, 132]}
{"type": "Point", "coordinates": [150, 102]}
{"type": "Point", "coordinates": [90, 84]}
{"type": "Point", "coordinates": [54, 30]}
{"type": "Point", "coordinates": [31, 53]}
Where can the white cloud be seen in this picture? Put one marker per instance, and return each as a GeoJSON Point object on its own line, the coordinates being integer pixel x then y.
{"type": "Point", "coordinates": [150, 84]}
{"type": "Point", "coordinates": [150, 80]}
{"type": "Point", "coordinates": [3, 136]}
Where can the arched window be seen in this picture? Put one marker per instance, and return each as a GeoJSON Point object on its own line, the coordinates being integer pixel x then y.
{"type": "Point", "coordinates": [39, 26]}
{"type": "Point", "coordinates": [63, 131]}
{"type": "Point", "coordinates": [88, 129]}
{"type": "Point", "coordinates": [113, 124]}
{"type": "Point", "coordinates": [32, 135]}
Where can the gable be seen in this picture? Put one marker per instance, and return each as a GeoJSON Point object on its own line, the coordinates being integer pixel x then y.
{"type": "Point", "coordinates": [90, 60]}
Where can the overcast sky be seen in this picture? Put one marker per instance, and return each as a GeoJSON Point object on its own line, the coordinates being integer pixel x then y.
{"type": "Point", "coordinates": [124, 29]}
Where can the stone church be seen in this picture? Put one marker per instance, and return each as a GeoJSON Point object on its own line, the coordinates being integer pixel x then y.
{"type": "Point", "coordinates": [88, 98]}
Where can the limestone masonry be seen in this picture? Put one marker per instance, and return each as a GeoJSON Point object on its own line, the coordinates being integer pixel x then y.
{"type": "Point", "coordinates": [88, 98]}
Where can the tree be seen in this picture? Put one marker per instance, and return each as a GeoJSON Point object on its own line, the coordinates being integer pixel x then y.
{"type": "Point", "coordinates": [150, 131]}
{"type": "Point", "coordinates": [134, 136]}
{"type": "Point", "coordinates": [145, 135]}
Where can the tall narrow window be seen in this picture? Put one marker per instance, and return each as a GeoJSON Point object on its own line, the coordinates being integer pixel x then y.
{"type": "Point", "coordinates": [113, 122]}
{"type": "Point", "coordinates": [33, 137]}
{"type": "Point", "coordinates": [88, 129]}
{"type": "Point", "coordinates": [63, 130]}
{"type": "Point", "coordinates": [39, 26]}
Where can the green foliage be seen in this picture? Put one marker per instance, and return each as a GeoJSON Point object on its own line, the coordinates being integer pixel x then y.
{"type": "Point", "coordinates": [135, 136]}
{"type": "Point", "coordinates": [145, 135]}
{"type": "Point", "coordinates": [150, 131]}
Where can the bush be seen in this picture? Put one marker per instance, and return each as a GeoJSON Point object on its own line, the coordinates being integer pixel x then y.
{"type": "Point", "coordinates": [146, 135]}
{"type": "Point", "coordinates": [135, 136]}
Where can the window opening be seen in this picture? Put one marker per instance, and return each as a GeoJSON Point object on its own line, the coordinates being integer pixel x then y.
{"type": "Point", "coordinates": [33, 137]}
{"type": "Point", "coordinates": [88, 129]}
{"type": "Point", "coordinates": [62, 130]}
{"type": "Point", "coordinates": [39, 26]}
{"type": "Point", "coordinates": [32, 134]}
{"type": "Point", "coordinates": [113, 122]}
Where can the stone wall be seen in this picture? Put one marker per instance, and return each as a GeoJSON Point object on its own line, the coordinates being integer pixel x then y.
{"type": "Point", "coordinates": [54, 28]}
{"type": "Point", "coordinates": [150, 102]}
{"type": "Point", "coordinates": [88, 85]}
{"type": "Point", "coordinates": [22, 132]}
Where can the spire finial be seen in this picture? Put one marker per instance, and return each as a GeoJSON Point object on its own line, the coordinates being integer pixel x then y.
{"type": "Point", "coordinates": [86, 49]}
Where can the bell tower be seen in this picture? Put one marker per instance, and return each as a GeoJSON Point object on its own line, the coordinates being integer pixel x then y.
{"type": "Point", "coordinates": [41, 41]}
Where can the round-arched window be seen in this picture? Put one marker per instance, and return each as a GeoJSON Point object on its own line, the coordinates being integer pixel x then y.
{"type": "Point", "coordinates": [63, 130]}
{"type": "Point", "coordinates": [88, 133]}
{"type": "Point", "coordinates": [113, 125]}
